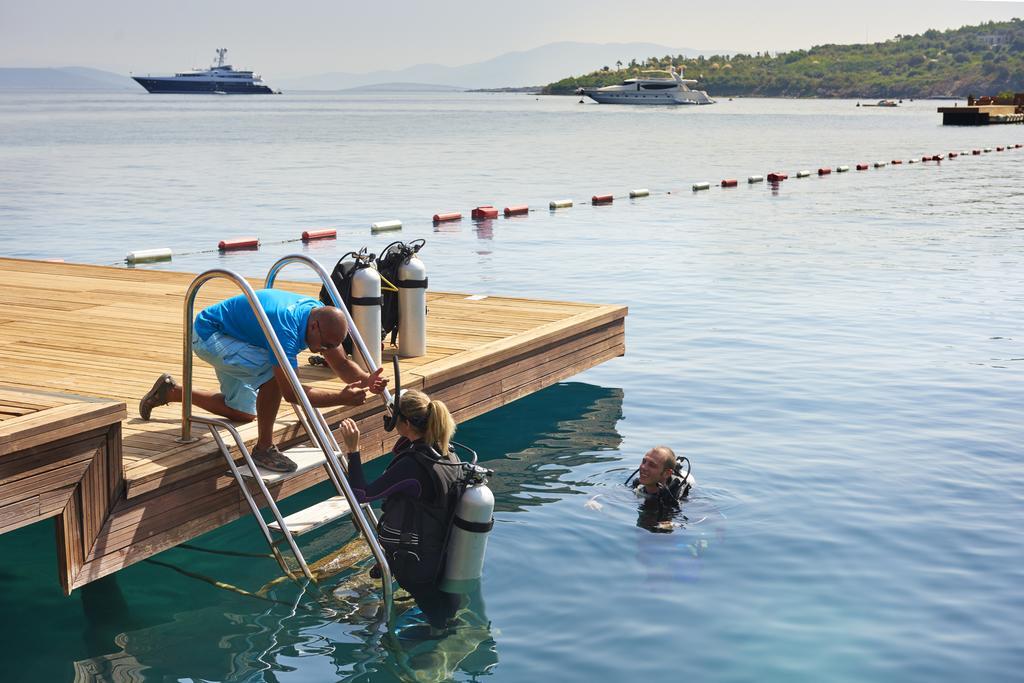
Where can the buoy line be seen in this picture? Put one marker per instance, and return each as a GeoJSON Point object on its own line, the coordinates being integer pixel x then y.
{"type": "Point", "coordinates": [489, 212]}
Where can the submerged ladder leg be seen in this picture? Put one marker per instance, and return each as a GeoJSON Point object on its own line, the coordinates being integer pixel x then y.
{"type": "Point", "coordinates": [321, 434]}
{"type": "Point", "coordinates": [214, 424]}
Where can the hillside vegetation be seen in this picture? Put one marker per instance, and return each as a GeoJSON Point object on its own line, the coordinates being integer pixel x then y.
{"type": "Point", "coordinates": [979, 60]}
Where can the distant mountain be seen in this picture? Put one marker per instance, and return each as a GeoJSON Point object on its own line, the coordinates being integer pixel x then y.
{"type": "Point", "coordinates": [65, 78]}
{"type": "Point", "coordinates": [405, 87]}
{"type": "Point", "coordinates": [514, 69]}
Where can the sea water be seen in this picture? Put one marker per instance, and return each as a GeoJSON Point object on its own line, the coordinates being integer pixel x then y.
{"type": "Point", "coordinates": [841, 358]}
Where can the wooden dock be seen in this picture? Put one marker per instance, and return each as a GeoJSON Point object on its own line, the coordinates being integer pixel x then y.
{"type": "Point", "coordinates": [79, 345]}
{"type": "Point", "coordinates": [981, 115]}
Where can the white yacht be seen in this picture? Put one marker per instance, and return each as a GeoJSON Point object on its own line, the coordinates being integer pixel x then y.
{"type": "Point", "coordinates": [650, 88]}
{"type": "Point", "coordinates": [219, 79]}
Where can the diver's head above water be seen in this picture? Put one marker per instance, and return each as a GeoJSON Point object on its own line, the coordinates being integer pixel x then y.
{"type": "Point", "coordinates": [662, 481]}
{"type": "Point", "coordinates": [656, 468]}
{"type": "Point", "coordinates": [419, 417]}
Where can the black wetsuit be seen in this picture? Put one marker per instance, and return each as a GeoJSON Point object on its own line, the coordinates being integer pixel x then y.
{"type": "Point", "coordinates": [661, 505]}
{"type": "Point", "coordinates": [403, 476]}
{"type": "Point", "coordinates": [413, 527]}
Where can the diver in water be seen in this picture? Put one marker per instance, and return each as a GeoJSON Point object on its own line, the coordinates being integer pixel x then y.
{"type": "Point", "coordinates": [420, 491]}
{"type": "Point", "coordinates": [662, 483]}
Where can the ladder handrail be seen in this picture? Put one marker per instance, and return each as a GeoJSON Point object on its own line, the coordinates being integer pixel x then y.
{"type": "Point", "coordinates": [214, 424]}
{"type": "Point", "coordinates": [322, 429]}
{"type": "Point", "coordinates": [187, 323]}
{"type": "Point", "coordinates": [357, 338]}
{"type": "Point", "coordinates": [353, 332]}
{"type": "Point", "coordinates": [334, 444]}
{"type": "Point", "coordinates": [318, 433]}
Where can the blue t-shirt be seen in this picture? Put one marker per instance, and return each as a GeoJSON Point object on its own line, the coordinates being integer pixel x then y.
{"type": "Point", "coordinates": [288, 314]}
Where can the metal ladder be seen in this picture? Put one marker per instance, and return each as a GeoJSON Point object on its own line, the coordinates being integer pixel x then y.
{"type": "Point", "coordinates": [312, 419]}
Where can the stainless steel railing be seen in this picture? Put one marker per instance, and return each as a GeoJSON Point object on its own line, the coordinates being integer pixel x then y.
{"type": "Point", "coordinates": [317, 427]}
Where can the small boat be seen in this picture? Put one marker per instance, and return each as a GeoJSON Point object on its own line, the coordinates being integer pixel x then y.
{"type": "Point", "coordinates": [650, 88]}
{"type": "Point", "coordinates": [219, 79]}
{"type": "Point", "coordinates": [881, 103]}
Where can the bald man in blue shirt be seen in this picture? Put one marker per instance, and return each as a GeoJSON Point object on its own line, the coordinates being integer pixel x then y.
{"type": "Point", "coordinates": [228, 336]}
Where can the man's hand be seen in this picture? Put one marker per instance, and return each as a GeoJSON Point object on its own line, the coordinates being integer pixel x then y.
{"type": "Point", "coordinates": [374, 383]}
{"type": "Point", "coordinates": [353, 396]}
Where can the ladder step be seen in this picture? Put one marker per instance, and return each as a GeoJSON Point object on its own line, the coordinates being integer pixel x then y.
{"type": "Point", "coordinates": [315, 516]}
{"type": "Point", "coordinates": [306, 457]}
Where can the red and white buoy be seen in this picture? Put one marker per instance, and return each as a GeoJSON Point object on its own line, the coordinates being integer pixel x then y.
{"type": "Point", "coordinates": [148, 255]}
{"type": "Point", "coordinates": [482, 213]}
{"type": "Point", "coordinates": [239, 243]}
{"type": "Point", "coordinates": [385, 226]}
{"type": "Point", "coordinates": [447, 217]}
{"type": "Point", "coordinates": [310, 235]}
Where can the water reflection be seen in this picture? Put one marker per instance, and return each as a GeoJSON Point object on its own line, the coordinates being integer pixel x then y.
{"type": "Point", "coordinates": [334, 632]}
{"type": "Point", "coordinates": [531, 465]}
{"type": "Point", "coordinates": [484, 229]}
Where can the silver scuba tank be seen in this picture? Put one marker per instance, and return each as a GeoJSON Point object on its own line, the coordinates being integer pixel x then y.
{"type": "Point", "coordinates": [412, 308]}
{"type": "Point", "coordinates": [366, 312]}
{"type": "Point", "coordinates": [474, 518]}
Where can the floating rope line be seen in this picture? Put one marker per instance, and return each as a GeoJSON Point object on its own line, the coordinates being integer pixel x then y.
{"type": "Point", "coordinates": [556, 206]}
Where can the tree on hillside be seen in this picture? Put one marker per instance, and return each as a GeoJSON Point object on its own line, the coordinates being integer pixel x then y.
{"type": "Point", "coordinates": [934, 63]}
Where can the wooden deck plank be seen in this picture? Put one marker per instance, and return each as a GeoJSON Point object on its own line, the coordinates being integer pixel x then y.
{"type": "Point", "coordinates": [106, 333]}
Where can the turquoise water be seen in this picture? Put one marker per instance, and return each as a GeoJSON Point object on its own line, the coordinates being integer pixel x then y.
{"type": "Point", "coordinates": [841, 358]}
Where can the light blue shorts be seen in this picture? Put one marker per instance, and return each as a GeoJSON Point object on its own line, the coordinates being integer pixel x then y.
{"type": "Point", "coordinates": [241, 368]}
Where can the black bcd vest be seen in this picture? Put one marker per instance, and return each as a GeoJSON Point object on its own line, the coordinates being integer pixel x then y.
{"type": "Point", "coordinates": [414, 531]}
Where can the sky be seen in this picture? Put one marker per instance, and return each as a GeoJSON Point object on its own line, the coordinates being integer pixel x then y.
{"type": "Point", "coordinates": [307, 37]}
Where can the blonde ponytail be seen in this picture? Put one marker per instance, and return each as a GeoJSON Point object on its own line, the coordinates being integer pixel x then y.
{"type": "Point", "coordinates": [439, 426]}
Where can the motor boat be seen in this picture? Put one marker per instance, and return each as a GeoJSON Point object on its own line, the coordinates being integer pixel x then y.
{"type": "Point", "coordinates": [219, 79]}
{"type": "Point", "coordinates": [650, 88]}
